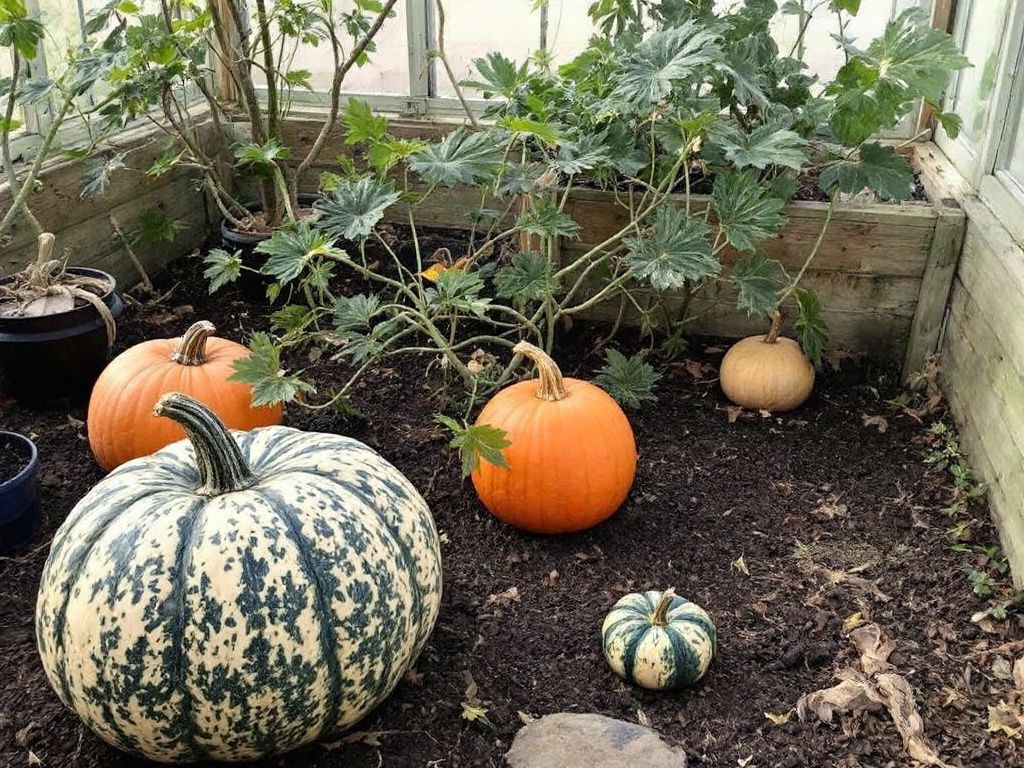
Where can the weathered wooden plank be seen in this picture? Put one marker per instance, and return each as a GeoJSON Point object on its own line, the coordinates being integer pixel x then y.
{"type": "Point", "coordinates": [59, 205]}
{"type": "Point", "coordinates": [935, 289]}
{"type": "Point", "coordinates": [84, 241]}
{"type": "Point", "coordinates": [986, 395]}
{"type": "Point", "coordinates": [882, 336]}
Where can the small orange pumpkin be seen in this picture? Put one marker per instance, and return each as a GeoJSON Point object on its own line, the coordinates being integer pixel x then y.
{"type": "Point", "coordinates": [121, 421]}
{"type": "Point", "coordinates": [767, 373]}
{"type": "Point", "coordinates": [571, 458]}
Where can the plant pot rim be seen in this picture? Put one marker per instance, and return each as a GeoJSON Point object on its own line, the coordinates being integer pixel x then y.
{"type": "Point", "coordinates": [256, 207]}
{"type": "Point", "coordinates": [85, 271]}
{"type": "Point", "coordinates": [33, 458]}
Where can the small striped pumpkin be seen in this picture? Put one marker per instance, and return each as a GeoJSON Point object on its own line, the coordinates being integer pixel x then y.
{"type": "Point", "coordinates": [235, 596]}
{"type": "Point", "coordinates": [659, 640]}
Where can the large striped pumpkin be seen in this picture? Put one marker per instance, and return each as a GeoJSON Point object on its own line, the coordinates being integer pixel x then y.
{"type": "Point", "coordinates": [231, 597]}
{"type": "Point", "coordinates": [659, 640]}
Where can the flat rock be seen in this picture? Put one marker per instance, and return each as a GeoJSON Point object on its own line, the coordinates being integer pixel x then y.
{"type": "Point", "coordinates": [566, 739]}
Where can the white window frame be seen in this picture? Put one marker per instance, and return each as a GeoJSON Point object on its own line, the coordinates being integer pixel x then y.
{"type": "Point", "coordinates": [985, 166]}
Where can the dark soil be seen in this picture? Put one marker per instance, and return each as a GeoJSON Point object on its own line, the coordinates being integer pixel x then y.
{"type": "Point", "coordinates": [13, 458]}
{"type": "Point", "coordinates": [762, 520]}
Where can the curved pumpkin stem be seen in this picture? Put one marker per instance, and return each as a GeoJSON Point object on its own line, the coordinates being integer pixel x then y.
{"type": "Point", "coordinates": [551, 388]}
{"type": "Point", "coordinates": [775, 328]}
{"type": "Point", "coordinates": [192, 348]}
{"type": "Point", "coordinates": [222, 468]}
{"type": "Point", "coordinates": [660, 616]}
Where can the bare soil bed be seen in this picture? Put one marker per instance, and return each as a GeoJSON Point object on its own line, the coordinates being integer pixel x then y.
{"type": "Point", "coordinates": [781, 527]}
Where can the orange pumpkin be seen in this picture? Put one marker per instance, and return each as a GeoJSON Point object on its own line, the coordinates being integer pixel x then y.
{"type": "Point", "coordinates": [767, 373]}
{"type": "Point", "coordinates": [571, 458]}
{"type": "Point", "coordinates": [121, 421]}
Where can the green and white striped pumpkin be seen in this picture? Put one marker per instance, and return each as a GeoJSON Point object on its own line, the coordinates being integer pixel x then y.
{"type": "Point", "coordinates": [230, 597]}
{"type": "Point", "coordinates": [659, 640]}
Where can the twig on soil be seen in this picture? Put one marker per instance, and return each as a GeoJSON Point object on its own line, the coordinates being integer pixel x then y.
{"type": "Point", "coordinates": [126, 244]}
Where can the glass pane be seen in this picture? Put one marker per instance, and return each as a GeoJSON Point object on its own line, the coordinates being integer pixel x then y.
{"type": "Point", "coordinates": [983, 27]}
{"type": "Point", "coordinates": [820, 52]}
{"type": "Point", "coordinates": [474, 28]}
{"type": "Point", "coordinates": [387, 72]}
{"type": "Point", "coordinates": [569, 28]}
{"type": "Point", "coordinates": [1016, 164]}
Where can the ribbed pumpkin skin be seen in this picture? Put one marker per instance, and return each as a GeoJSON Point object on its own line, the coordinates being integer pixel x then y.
{"type": "Point", "coordinates": [182, 627]}
{"type": "Point", "coordinates": [658, 657]}
{"type": "Point", "coordinates": [766, 377]}
{"type": "Point", "coordinates": [571, 462]}
{"type": "Point", "coordinates": [121, 423]}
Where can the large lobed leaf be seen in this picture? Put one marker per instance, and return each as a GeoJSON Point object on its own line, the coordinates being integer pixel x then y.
{"type": "Point", "coordinates": [747, 212]}
{"type": "Point", "coordinates": [758, 280]}
{"type": "Point", "coordinates": [648, 72]}
{"type": "Point", "coordinates": [291, 250]}
{"type": "Point", "coordinates": [528, 277]}
{"type": "Point", "coordinates": [675, 252]}
{"type": "Point", "coordinates": [354, 208]}
{"type": "Point", "coordinates": [877, 168]}
{"type": "Point", "coordinates": [762, 147]}
{"type": "Point", "coordinates": [262, 371]}
{"type": "Point", "coordinates": [461, 157]}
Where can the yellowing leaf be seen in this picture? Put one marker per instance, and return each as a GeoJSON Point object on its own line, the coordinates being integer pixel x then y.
{"type": "Point", "coordinates": [853, 621]}
{"type": "Point", "coordinates": [438, 268]}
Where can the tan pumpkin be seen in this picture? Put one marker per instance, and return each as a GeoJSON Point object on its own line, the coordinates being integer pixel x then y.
{"type": "Point", "coordinates": [121, 422]}
{"type": "Point", "coordinates": [767, 372]}
{"type": "Point", "coordinates": [571, 457]}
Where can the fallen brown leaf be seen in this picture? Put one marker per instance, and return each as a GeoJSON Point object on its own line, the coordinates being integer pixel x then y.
{"type": "Point", "coordinates": [879, 422]}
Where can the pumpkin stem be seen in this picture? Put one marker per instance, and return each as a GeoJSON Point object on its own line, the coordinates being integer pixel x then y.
{"type": "Point", "coordinates": [222, 468]}
{"type": "Point", "coordinates": [775, 328]}
{"type": "Point", "coordinates": [551, 386]}
{"type": "Point", "coordinates": [660, 616]}
{"type": "Point", "coordinates": [192, 348]}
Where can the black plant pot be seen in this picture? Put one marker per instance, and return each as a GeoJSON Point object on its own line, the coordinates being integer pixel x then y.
{"type": "Point", "coordinates": [56, 356]}
{"type": "Point", "coordinates": [19, 493]}
{"type": "Point", "coordinates": [252, 284]}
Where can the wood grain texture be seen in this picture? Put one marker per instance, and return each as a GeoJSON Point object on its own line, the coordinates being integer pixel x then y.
{"type": "Point", "coordinates": [983, 370]}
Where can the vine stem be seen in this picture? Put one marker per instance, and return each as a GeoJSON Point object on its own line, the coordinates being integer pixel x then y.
{"type": "Point", "coordinates": [448, 67]}
{"type": "Point", "coordinates": [814, 252]}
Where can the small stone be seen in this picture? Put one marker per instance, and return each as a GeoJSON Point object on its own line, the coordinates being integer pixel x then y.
{"type": "Point", "coordinates": [595, 741]}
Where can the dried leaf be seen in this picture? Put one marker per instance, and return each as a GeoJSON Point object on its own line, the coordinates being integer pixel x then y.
{"type": "Point", "coordinates": [503, 599]}
{"type": "Point", "coordinates": [778, 719]}
{"type": "Point", "coordinates": [733, 412]}
{"type": "Point", "coordinates": [525, 717]}
{"type": "Point", "coordinates": [1001, 668]}
{"type": "Point", "coordinates": [1006, 718]}
{"type": "Point", "coordinates": [879, 422]}
{"type": "Point", "coordinates": [739, 564]}
{"type": "Point", "coordinates": [551, 580]}
{"type": "Point", "coordinates": [1018, 674]}
{"type": "Point", "coordinates": [33, 759]}
{"type": "Point", "coordinates": [642, 718]}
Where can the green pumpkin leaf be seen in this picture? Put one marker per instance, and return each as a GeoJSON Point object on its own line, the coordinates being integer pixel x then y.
{"type": "Point", "coordinates": [354, 207]}
{"type": "Point", "coordinates": [811, 328]}
{"type": "Point", "coordinates": [544, 218]}
{"type": "Point", "coordinates": [762, 147]}
{"type": "Point", "coordinates": [291, 250]}
{"type": "Point", "coordinates": [649, 72]}
{"type": "Point", "coordinates": [261, 156]}
{"type": "Point", "coordinates": [758, 279]}
{"type": "Point", "coordinates": [520, 127]}
{"type": "Point", "coordinates": [362, 126]}
{"type": "Point", "coordinates": [675, 252]}
{"type": "Point", "coordinates": [747, 212]}
{"type": "Point", "coordinates": [475, 443]}
{"type": "Point", "coordinates": [356, 312]}
{"type": "Point", "coordinates": [222, 268]}
{"type": "Point", "coordinates": [877, 168]}
{"type": "Point", "coordinates": [630, 380]}
{"type": "Point", "coordinates": [499, 76]}
{"type": "Point", "coordinates": [528, 277]}
{"type": "Point", "coordinates": [460, 157]}
{"type": "Point", "coordinates": [262, 371]}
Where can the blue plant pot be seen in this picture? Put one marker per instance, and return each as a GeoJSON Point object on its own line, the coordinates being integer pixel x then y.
{"type": "Point", "coordinates": [19, 496]}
